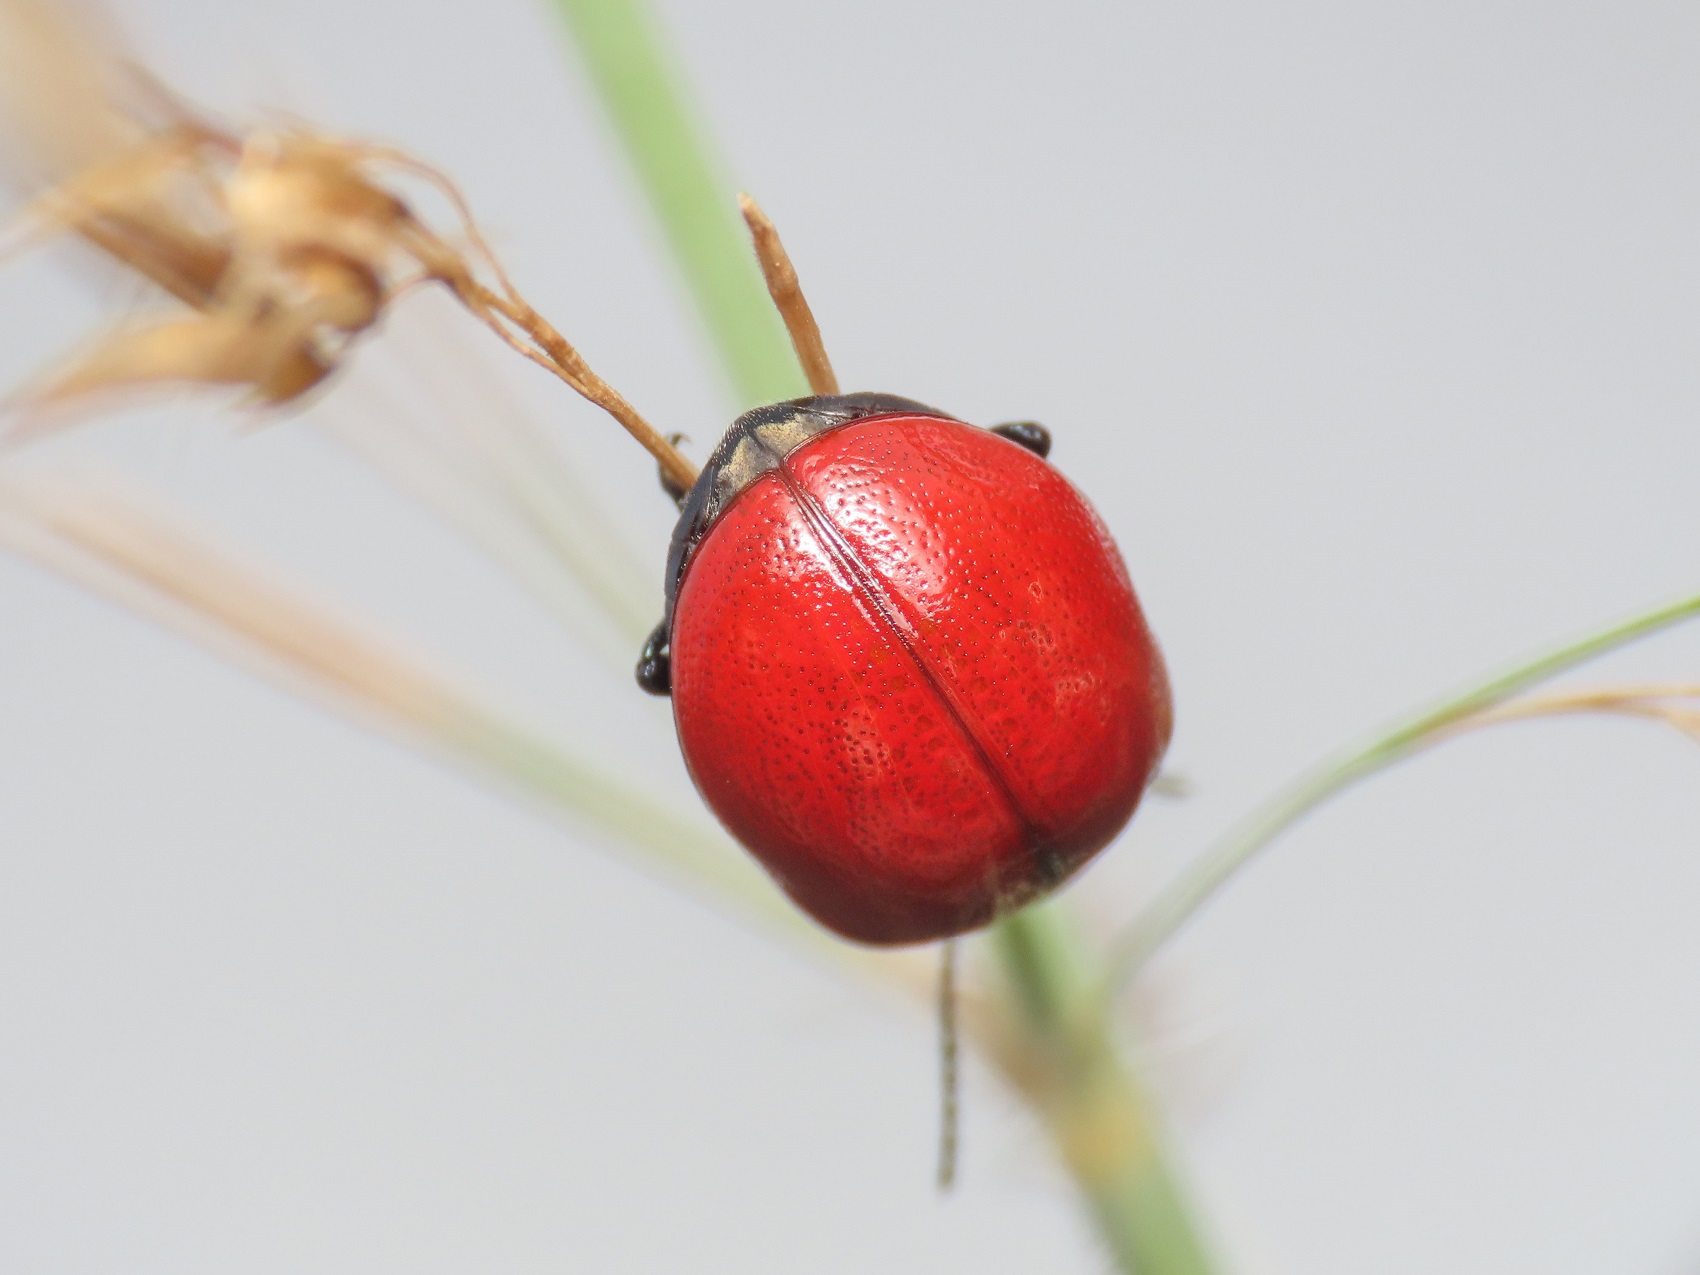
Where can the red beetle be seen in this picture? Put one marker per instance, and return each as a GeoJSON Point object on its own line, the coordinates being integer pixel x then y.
{"type": "Point", "coordinates": [908, 669]}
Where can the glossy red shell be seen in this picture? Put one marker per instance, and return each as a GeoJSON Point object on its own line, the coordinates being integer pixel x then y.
{"type": "Point", "coordinates": [911, 676]}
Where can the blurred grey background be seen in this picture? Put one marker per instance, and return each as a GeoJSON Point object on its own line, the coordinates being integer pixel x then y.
{"type": "Point", "coordinates": [1371, 330]}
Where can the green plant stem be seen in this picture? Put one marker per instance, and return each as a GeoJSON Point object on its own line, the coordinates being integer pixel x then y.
{"type": "Point", "coordinates": [643, 92]}
{"type": "Point", "coordinates": [1087, 1096]}
{"type": "Point", "coordinates": [1198, 883]}
{"type": "Point", "coordinates": [1102, 1123]}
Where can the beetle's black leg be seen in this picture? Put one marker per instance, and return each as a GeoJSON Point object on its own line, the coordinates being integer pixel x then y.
{"type": "Point", "coordinates": [655, 664]}
{"type": "Point", "coordinates": [675, 492]}
{"type": "Point", "coordinates": [1029, 434]}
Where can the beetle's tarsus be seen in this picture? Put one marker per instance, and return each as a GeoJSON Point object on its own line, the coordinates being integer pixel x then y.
{"type": "Point", "coordinates": [675, 492]}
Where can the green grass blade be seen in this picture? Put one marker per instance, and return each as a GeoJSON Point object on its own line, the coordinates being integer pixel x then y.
{"type": "Point", "coordinates": [1197, 884]}
{"type": "Point", "coordinates": [1100, 1118]}
{"type": "Point", "coordinates": [1137, 1204]}
{"type": "Point", "coordinates": [642, 91]}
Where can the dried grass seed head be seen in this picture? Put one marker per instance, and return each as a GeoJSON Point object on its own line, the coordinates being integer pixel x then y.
{"type": "Point", "coordinates": [288, 245]}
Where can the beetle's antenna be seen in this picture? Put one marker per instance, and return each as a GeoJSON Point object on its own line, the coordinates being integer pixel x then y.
{"type": "Point", "coordinates": [788, 298]}
{"type": "Point", "coordinates": [950, 1081]}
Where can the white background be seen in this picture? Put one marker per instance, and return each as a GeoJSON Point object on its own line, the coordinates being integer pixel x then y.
{"type": "Point", "coordinates": [1371, 329]}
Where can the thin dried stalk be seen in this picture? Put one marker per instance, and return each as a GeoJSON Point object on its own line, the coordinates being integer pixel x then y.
{"type": "Point", "coordinates": [788, 298]}
{"type": "Point", "coordinates": [1676, 704]}
{"type": "Point", "coordinates": [547, 348]}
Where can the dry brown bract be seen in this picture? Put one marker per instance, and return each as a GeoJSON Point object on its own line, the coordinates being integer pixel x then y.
{"type": "Point", "coordinates": [286, 247]}
{"type": "Point", "coordinates": [1677, 705]}
{"type": "Point", "coordinates": [279, 244]}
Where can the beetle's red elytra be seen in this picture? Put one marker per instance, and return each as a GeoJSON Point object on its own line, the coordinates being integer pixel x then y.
{"type": "Point", "coordinates": [909, 672]}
